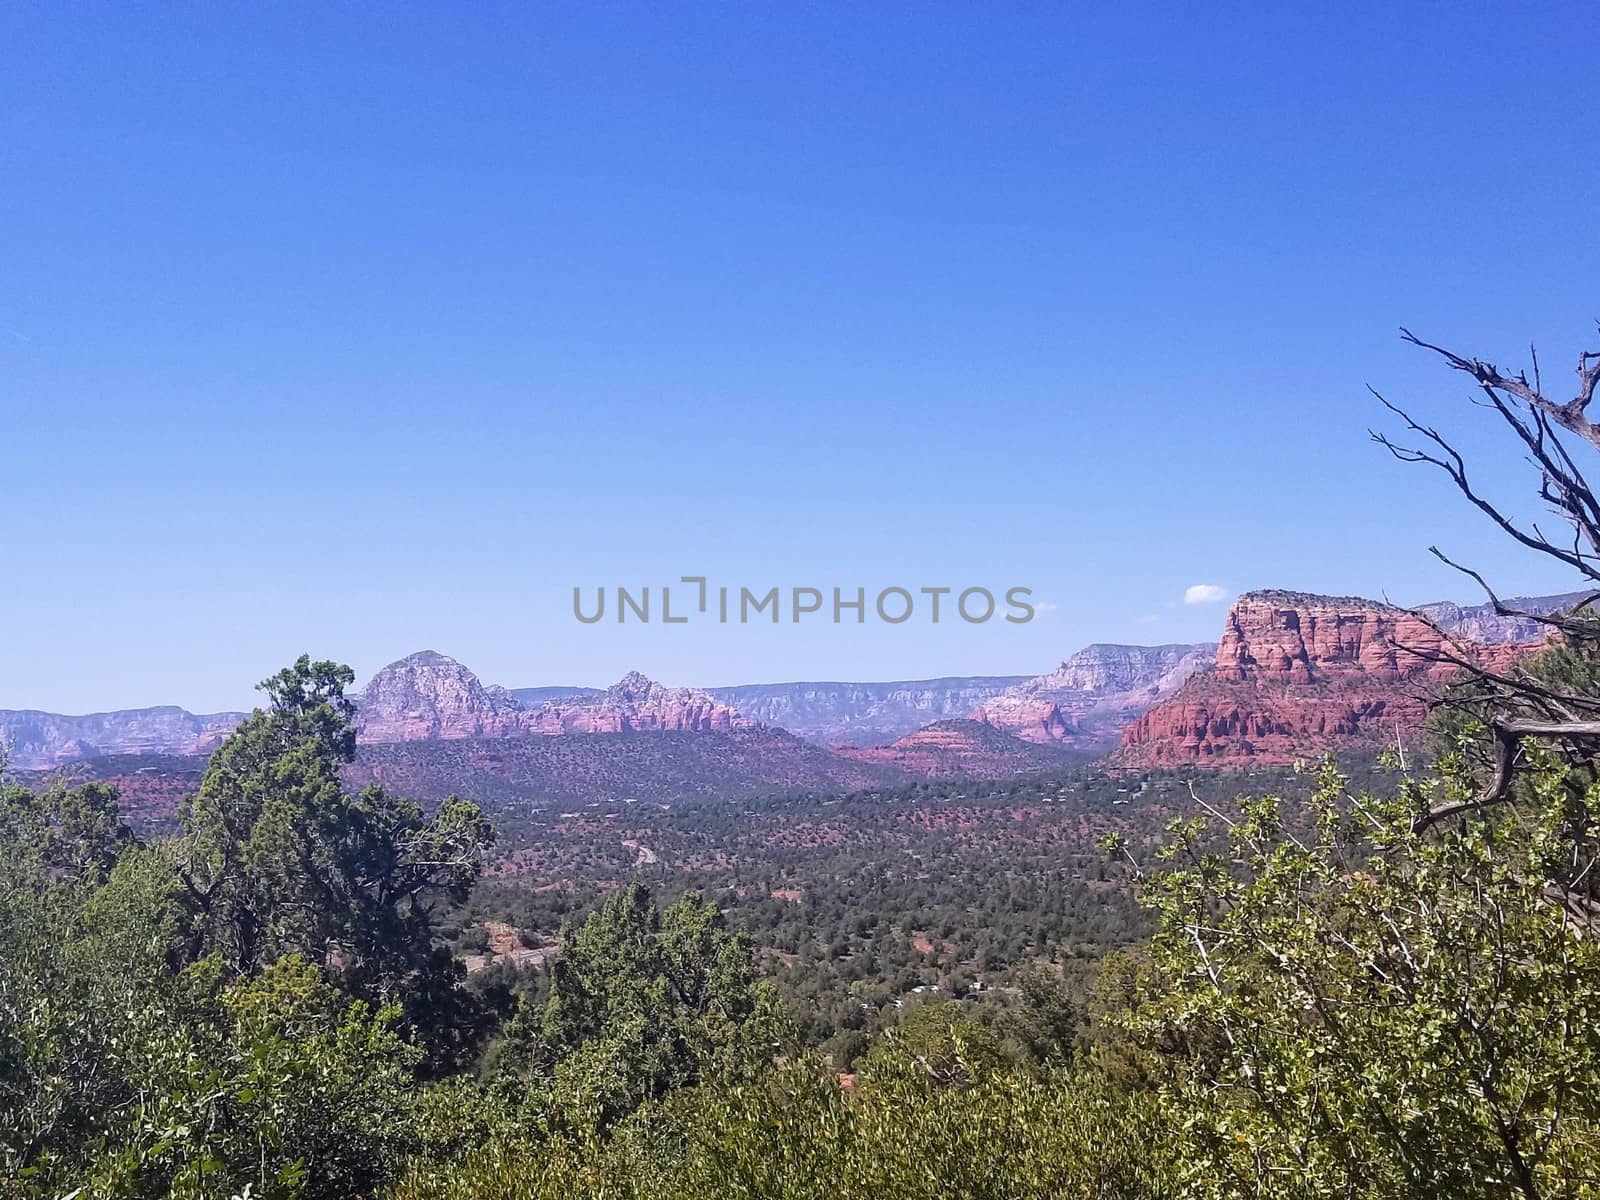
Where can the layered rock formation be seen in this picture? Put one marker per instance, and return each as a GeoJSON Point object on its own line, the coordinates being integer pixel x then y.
{"type": "Point", "coordinates": [37, 740]}
{"type": "Point", "coordinates": [430, 696]}
{"type": "Point", "coordinates": [1298, 675]}
{"type": "Point", "coordinates": [1090, 698]}
{"type": "Point", "coordinates": [636, 703]}
{"type": "Point", "coordinates": [862, 714]}
{"type": "Point", "coordinates": [1336, 668]}
{"type": "Point", "coordinates": [1298, 638]}
{"type": "Point", "coordinates": [1480, 622]}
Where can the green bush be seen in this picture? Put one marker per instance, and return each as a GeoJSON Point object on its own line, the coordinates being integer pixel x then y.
{"type": "Point", "coordinates": [800, 1136]}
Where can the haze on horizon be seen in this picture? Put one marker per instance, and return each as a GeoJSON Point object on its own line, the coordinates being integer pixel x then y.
{"type": "Point", "coordinates": [356, 332]}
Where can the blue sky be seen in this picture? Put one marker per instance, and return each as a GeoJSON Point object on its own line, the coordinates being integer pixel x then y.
{"type": "Point", "coordinates": [356, 329]}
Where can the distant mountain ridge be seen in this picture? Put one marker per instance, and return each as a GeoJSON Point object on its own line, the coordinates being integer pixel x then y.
{"type": "Point", "coordinates": [31, 739]}
{"type": "Point", "coordinates": [1091, 697]}
{"type": "Point", "coordinates": [1480, 622]}
{"type": "Point", "coordinates": [429, 696]}
{"type": "Point", "coordinates": [532, 697]}
{"type": "Point", "coordinates": [1082, 705]}
{"type": "Point", "coordinates": [837, 713]}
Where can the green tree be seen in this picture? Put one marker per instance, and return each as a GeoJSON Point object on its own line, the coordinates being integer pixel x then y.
{"type": "Point", "coordinates": [644, 1001]}
{"type": "Point", "coordinates": [280, 859]}
{"type": "Point", "coordinates": [282, 1084]}
{"type": "Point", "coordinates": [126, 1074]}
{"type": "Point", "coordinates": [87, 928]}
{"type": "Point", "coordinates": [797, 1135]}
{"type": "Point", "coordinates": [1046, 1020]}
{"type": "Point", "coordinates": [1369, 1010]}
{"type": "Point", "coordinates": [255, 832]}
{"type": "Point", "coordinates": [75, 833]}
{"type": "Point", "coordinates": [938, 1044]}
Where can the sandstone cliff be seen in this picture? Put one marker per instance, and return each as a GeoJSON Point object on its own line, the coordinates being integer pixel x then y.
{"type": "Point", "coordinates": [636, 703]}
{"type": "Point", "coordinates": [1297, 675]}
{"type": "Point", "coordinates": [862, 714]}
{"type": "Point", "coordinates": [1088, 700]}
{"type": "Point", "coordinates": [430, 695]}
{"type": "Point", "coordinates": [39, 739]}
{"type": "Point", "coordinates": [1338, 666]}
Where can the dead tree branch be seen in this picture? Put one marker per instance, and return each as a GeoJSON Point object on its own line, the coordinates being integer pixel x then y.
{"type": "Point", "coordinates": [1520, 704]}
{"type": "Point", "coordinates": [1490, 379]}
{"type": "Point", "coordinates": [1508, 737]}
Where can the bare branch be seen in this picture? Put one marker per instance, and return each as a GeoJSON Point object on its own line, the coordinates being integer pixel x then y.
{"type": "Point", "coordinates": [1508, 737]}
{"type": "Point", "coordinates": [1570, 416]}
{"type": "Point", "coordinates": [1455, 467]}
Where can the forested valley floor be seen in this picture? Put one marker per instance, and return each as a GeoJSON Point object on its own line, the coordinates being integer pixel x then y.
{"type": "Point", "coordinates": [1091, 984]}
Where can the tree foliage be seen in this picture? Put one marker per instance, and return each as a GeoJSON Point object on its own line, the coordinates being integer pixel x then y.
{"type": "Point", "coordinates": [797, 1135]}
{"type": "Point", "coordinates": [279, 859]}
{"type": "Point", "coordinates": [244, 1007]}
{"type": "Point", "coordinates": [1389, 990]}
{"type": "Point", "coordinates": [1365, 1010]}
{"type": "Point", "coordinates": [645, 1001]}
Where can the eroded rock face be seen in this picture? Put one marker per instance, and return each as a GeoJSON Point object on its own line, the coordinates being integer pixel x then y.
{"type": "Point", "coordinates": [1480, 622]}
{"type": "Point", "coordinates": [1037, 720]}
{"type": "Point", "coordinates": [862, 714]}
{"type": "Point", "coordinates": [633, 703]}
{"type": "Point", "coordinates": [1090, 698]}
{"type": "Point", "coordinates": [1217, 722]}
{"type": "Point", "coordinates": [38, 739]}
{"type": "Point", "coordinates": [1298, 675]}
{"type": "Point", "coordinates": [1338, 670]}
{"type": "Point", "coordinates": [430, 695]}
{"type": "Point", "coordinates": [1293, 637]}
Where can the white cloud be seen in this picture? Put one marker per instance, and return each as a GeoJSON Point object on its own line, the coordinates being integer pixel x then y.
{"type": "Point", "coordinates": [1045, 606]}
{"type": "Point", "coordinates": [1203, 593]}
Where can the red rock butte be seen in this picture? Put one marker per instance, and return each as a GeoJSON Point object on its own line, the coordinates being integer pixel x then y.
{"type": "Point", "coordinates": [429, 696]}
{"type": "Point", "coordinates": [1298, 675]}
{"type": "Point", "coordinates": [1088, 700]}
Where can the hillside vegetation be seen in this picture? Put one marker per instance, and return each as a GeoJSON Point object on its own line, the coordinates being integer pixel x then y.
{"type": "Point", "coordinates": [1316, 999]}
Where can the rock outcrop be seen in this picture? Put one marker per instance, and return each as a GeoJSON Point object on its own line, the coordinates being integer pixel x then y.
{"type": "Point", "coordinates": [1298, 675]}
{"type": "Point", "coordinates": [1337, 670]}
{"type": "Point", "coordinates": [636, 703]}
{"type": "Point", "coordinates": [1297, 638]}
{"type": "Point", "coordinates": [1090, 698]}
{"type": "Point", "coordinates": [862, 714]}
{"type": "Point", "coordinates": [1480, 622]}
{"type": "Point", "coordinates": [35, 740]}
{"type": "Point", "coordinates": [429, 695]}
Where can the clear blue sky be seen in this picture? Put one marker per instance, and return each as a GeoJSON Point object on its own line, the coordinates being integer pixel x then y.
{"type": "Point", "coordinates": [359, 328]}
